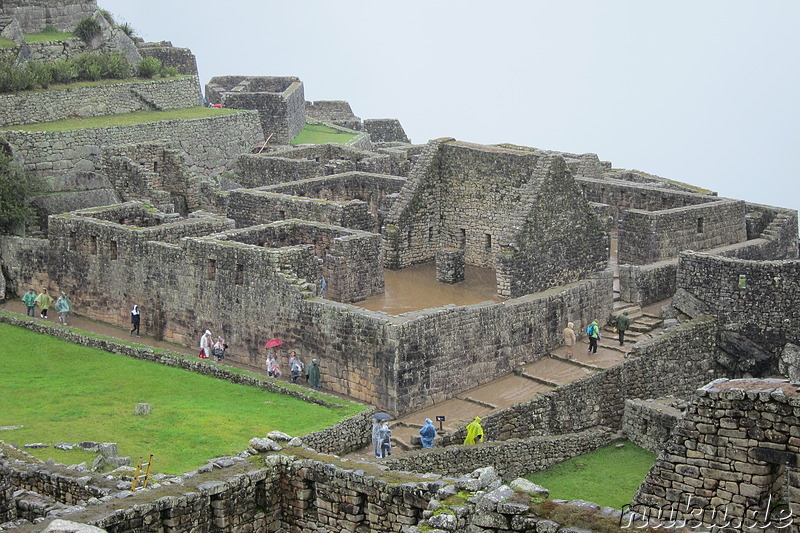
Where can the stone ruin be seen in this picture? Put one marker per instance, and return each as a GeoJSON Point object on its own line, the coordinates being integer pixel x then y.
{"type": "Point", "coordinates": [208, 209]}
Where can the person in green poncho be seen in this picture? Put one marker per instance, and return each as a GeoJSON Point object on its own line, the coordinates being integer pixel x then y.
{"type": "Point", "coordinates": [30, 302]}
{"type": "Point", "coordinates": [312, 374]}
{"type": "Point", "coordinates": [474, 431]}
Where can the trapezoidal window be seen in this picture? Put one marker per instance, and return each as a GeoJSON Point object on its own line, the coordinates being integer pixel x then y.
{"type": "Point", "coordinates": [463, 236]}
{"type": "Point", "coordinates": [700, 222]}
{"type": "Point", "coordinates": [239, 274]}
{"type": "Point", "coordinates": [93, 245]}
{"type": "Point", "coordinates": [487, 241]}
{"type": "Point", "coordinates": [112, 251]}
{"type": "Point", "coordinates": [72, 242]}
{"type": "Point", "coordinates": [212, 269]}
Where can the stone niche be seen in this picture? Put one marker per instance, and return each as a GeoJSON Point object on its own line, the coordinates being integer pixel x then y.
{"type": "Point", "coordinates": [279, 101]}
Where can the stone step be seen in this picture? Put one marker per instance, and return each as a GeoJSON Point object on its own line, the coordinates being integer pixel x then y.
{"type": "Point", "coordinates": [577, 363]}
{"type": "Point", "coordinates": [539, 380]}
{"type": "Point", "coordinates": [476, 402]}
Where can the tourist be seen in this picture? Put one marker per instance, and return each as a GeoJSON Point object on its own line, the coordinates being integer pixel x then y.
{"type": "Point", "coordinates": [273, 368]}
{"type": "Point", "coordinates": [385, 440]}
{"type": "Point", "coordinates": [474, 431]}
{"type": "Point", "coordinates": [622, 324]}
{"type": "Point", "coordinates": [569, 338]}
{"type": "Point", "coordinates": [136, 316]}
{"type": "Point", "coordinates": [63, 306]}
{"type": "Point", "coordinates": [295, 366]}
{"type": "Point", "coordinates": [593, 331]}
{"type": "Point", "coordinates": [312, 374]}
{"type": "Point", "coordinates": [44, 301]}
{"type": "Point", "coordinates": [427, 434]}
{"type": "Point", "coordinates": [29, 299]}
{"type": "Point", "coordinates": [376, 442]}
{"type": "Point", "coordinates": [219, 349]}
{"type": "Point", "coordinates": [205, 345]}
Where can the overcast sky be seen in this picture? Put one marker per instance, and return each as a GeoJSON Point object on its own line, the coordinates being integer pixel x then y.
{"type": "Point", "coordinates": [699, 91]}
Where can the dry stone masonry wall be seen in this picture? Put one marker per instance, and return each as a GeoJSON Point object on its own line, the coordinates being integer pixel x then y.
{"type": "Point", "coordinates": [34, 15]}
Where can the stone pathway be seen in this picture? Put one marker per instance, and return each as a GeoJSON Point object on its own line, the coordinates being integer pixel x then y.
{"type": "Point", "coordinates": [534, 378]}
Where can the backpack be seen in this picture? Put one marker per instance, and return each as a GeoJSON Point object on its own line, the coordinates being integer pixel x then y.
{"type": "Point", "coordinates": [589, 330]}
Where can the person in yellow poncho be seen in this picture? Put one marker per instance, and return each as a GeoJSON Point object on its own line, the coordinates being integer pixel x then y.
{"type": "Point", "coordinates": [474, 431]}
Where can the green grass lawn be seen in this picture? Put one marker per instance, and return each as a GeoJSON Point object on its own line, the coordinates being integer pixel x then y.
{"type": "Point", "coordinates": [125, 119]}
{"type": "Point", "coordinates": [321, 134]}
{"type": "Point", "coordinates": [47, 36]}
{"type": "Point", "coordinates": [60, 391]}
{"type": "Point", "coordinates": [608, 476]}
{"type": "Point", "coordinates": [7, 43]}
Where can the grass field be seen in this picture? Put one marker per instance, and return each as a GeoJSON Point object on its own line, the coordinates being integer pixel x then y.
{"type": "Point", "coordinates": [608, 476]}
{"type": "Point", "coordinates": [59, 391]}
{"type": "Point", "coordinates": [321, 134]}
{"type": "Point", "coordinates": [125, 119]}
{"type": "Point", "coordinates": [47, 36]}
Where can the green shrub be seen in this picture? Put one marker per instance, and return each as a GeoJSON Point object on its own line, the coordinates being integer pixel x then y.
{"type": "Point", "coordinates": [39, 74]}
{"type": "Point", "coordinates": [115, 67]}
{"type": "Point", "coordinates": [89, 67]}
{"type": "Point", "coordinates": [169, 72]}
{"type": "Point", "coordinates": [49, 28]}
{"type": "Point", "coordinates": [87, 29]}
{"type": "Point", "coordinates": [63, 72]}
{"type": "Point", "coordinates": [108, 16]}
{"type": "Point", "coordinates": [127, 29]}
{"type": "Point", "coordinates": [16, 187]}
{"type": "Point", "coordinates": [148, 67]}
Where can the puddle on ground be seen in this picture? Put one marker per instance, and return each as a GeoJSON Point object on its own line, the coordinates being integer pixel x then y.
{"type": "Point", "coordinates": [415, 288]}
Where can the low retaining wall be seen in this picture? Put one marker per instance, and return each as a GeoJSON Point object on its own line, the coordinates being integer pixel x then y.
{"type": "Point", "coordinates": [511, 459]}
{"type": "Point", "coordinates": [649, 423]}
{"type": "Point", "coordinates": [207, 142]}
{"type": "Point", "coordinates": [33, 107]}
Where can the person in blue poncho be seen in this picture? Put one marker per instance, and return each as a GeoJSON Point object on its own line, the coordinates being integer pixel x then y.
{"type": "Point", "coordinates": [427, 434]}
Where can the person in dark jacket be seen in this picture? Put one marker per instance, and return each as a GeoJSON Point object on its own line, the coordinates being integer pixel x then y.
{"type": "Point", "coordinates": [623, 323]}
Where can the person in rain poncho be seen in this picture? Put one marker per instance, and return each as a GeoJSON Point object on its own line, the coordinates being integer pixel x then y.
{"type": "Point", "coordinates": [312, 374]}
{"type": "Point", "coordinates": [44, 301]}
{"type": "Point", "coordinates": [206, 342]}
{"type": "Point", "coordinates": [427, 434]}
{"type": "Point", "coordinates": [63, 306]}
{"type": "Point", "coordinates": [474, 431]}
{"type": "Point", "coordinates": [385, 439]}
{"type": "Point", "coordinates": [376, 443]}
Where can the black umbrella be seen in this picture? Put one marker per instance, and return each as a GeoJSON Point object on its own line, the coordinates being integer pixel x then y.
{"type": "Point", "coordinates": [382, 416]}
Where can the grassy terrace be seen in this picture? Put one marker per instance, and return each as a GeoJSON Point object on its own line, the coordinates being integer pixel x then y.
{"type": "Point", "coordinates": [321, 134]}
{"type": "Point", "coordinates": [62, 392]}
{"type": "Point", "coordinates": [125, 119]}
{"type": "Point", "coordinates": [41, 37]}
{"type": "Point", "coordinates": [608, 476]}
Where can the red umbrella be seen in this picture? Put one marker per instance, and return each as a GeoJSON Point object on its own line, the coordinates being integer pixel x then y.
{"type": "Point", "coordinates": [272, 343]}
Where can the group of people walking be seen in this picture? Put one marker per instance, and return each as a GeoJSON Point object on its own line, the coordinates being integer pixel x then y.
{"type": "Point", "coordinates": [210, 348]}
{"type": "Point", "coordinates": [63, 305]}
{"type": "Point", "coordinates": [621, 324]}
{"type": "Point", "coordinates": [296, 366]}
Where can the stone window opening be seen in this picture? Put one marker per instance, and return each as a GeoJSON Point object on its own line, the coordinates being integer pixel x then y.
{"type": "Point", "coordinates": [93, 245]}
{"type": "Point", "coordinates": [487, 242]}
{"type": "Point", "coordinates": [282, 215]}
{"type": "Point", "coordinates": [212, 269]}
{"type": "Point", "coordinates": [408, 237]}
{"type": "Point", "coordinates": [239, 274]}
{"type": "Point", "coordinates": [155, 166]}
{"type": "Point", "coordinates": [72, 242]}
{"type": "Point", "coordinates": [700, 222]}
{"type": "Point", "coordinates": [430, 233]}
{"type": "Point", "coordinates": [463, 241]}
{"type": "Point", "coordinates": [113, 249]}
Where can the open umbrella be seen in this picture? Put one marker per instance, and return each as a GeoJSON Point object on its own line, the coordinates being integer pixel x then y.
{"type": "Point", "coordinates": [272, 343]}
{"type": "Point", "coordinates": [382, 416]}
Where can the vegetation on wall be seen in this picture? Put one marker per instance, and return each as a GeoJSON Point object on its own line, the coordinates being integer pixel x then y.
{"type": "Point", "coordinates": [16, 188]}
{"type": "Point", "coordinates": [87, 29]}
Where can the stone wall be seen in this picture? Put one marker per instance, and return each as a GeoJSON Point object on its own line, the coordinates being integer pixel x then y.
{"type": "Point", "coordinates": [683, 359]}
{"type": "Point", "coordinates": [735, 452]}
{"type": "Point", "coordinates": [280, 101]}
{"type": "Point", "coordinates": [354, 200]}
{"type": "Point", "coordinates": [622, 195]}
{"type": "Point", "coordinates": [305, 162]}
{"type": "Point", "coordinates": [515, 210]}
{"type": "Point", "coordinates": [757, 300]}
{"type": "Point", "coordinates": [511, 459]}
{"type": "Point", "coordinates": [385, 130]}
{"type": "Point", "coordinates": [206, 142]}
{"type": "Point", "coordinates": [336, 112]}
{"type": "Point", "coordinates": [181, 58]}
{"type": "Point", "coordinates": [79, 102]}
{"type": "Point", "coordinates": [34, 15]}
{"type": "Point", "coordinates": [649, 423]}
{"type": "Point", "coordinates": [651, 236]}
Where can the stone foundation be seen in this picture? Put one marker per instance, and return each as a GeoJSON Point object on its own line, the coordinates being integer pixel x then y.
{"type": "Point", "coordinates": [450, 265]}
